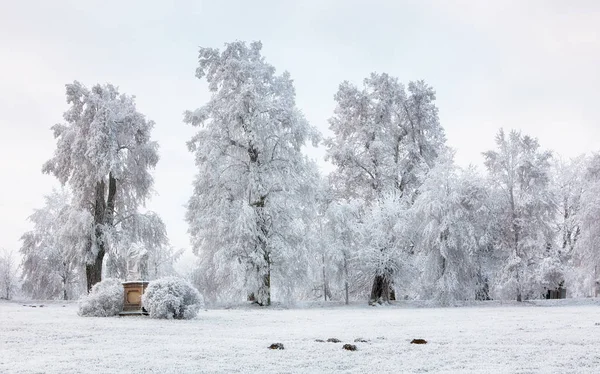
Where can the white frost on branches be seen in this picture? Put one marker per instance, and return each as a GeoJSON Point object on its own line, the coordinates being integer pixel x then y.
{"type": "Point", "coordinates": [104, 154]}
{"type": "Point", "coordinates": [252, 194]}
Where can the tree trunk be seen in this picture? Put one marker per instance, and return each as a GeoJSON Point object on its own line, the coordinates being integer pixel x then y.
{"type": "Point", "coordinates": [346, 279]}
{"type": "Point", "coordinates": [111, 200]}
{"type": "Point", "coordinates": [324, 279]}
{"type": "Point", "coordinates": [263, 295]}
{"type": "Point", "coordinates": [380, 292]}
{"type": "Point", "coordinates": [347, 301]}
{"type": "Point", "coordinates": [267, 285]}
{"type": "Point", "coordinates": [518, 276]}
{"type": "Point", "coordinates": [64, 286]}
{"type": "Point", "coordinates": [93, 271]}
{"type": "Point", "coordinates": [515, 228]}
{"type": "Point", "coordinates": [103, 216]}
{"type": "Point", "coordinates": [264, 289]}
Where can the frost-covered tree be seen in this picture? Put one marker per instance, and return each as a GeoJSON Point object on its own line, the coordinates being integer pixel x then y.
{"type": "Point", "coordinates": [450, 236]}
{"type": "Point", "coordinates": [385, 139]}
{"type": "Point", "coordinates": [524, 209]}
{"type": "Point", "coordinates": [569, 184]}
{"type": "Point", "coordinates": [50, 268]}
{"type": "Point", "coordinates": [340, 234]}
{"type": "Point", "coordinates": [104, 153]}
{"type": "Point", "coordinates": [161, 262]}
{"type": "Point", "coordinates": [9, 277]}
{"type": "Point", "coordinates": [586, 251]}
{"type": "Point", "coordinates": [252, 195]}
{"type": "Point", "coordinates": [387, 246]}
{"type": "Point", "coordinates": [138, 261]}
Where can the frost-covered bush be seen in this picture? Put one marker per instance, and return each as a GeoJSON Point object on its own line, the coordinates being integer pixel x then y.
{"type": "Point", "coordinates": [171, 298]}
{"type": "Point", "coordinates": [104, 300]}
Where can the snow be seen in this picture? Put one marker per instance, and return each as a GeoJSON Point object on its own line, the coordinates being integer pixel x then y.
{"type": "Point", "coordinates": [559, 336]}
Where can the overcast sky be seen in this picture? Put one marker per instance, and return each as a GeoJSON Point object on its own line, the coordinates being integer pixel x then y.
{"type": "Point", "coordinates": [528, 65]}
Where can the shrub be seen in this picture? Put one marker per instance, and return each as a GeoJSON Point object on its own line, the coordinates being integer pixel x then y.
{"type": "Point", "coordinates": [104, 300]}
{"type": "Point", "coordinates": [171, 298]}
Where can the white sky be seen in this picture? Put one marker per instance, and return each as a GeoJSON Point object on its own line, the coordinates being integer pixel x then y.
{"type": "Point", "coordinates": [532, 66]}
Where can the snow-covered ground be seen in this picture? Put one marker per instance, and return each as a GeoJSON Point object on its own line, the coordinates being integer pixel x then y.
{"type": "Point", "coordinates": [546, 337]}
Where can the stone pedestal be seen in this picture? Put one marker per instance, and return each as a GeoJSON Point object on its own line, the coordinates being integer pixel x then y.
{"type": "Point", "coordinates": [132, 302]}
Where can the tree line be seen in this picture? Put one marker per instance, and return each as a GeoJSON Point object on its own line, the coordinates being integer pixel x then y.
{"type": "Point", "coordinates": [395, 219]}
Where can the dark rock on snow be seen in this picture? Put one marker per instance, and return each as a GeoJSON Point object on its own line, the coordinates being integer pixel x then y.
{"type": "Point", "coordinates": [360, 340]}
{"type": "Point", "coordinates": [349, 347]}
{"type": "Point", "coordinates": [418, 341]}
{"type": "Point", "coordinates": [334, 340]}
{"type": "Point", "coordinates": [276, 346]}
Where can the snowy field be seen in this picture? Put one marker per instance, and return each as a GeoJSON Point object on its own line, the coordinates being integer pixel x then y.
{"type": "Point", "coordinates": [561, 336]}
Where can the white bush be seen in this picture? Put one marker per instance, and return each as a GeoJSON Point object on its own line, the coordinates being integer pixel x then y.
{"type": "Point", "coordinates": [171, 298]}
{"type": "Point", "coordinates": [104, 300]}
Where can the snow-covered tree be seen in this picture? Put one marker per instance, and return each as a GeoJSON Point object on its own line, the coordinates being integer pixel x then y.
{"type": "Point", "coordinates": [138, 261]}
{"type": "Point", "coordinates": [161, 262]}
{"type": "Point", "coordinates": [447, 217]}
{"type": "Point", "coordinates": [252, 195]}
{"type": "Point", "coordinates": [569, 184]}
{"type": "Point", "coordinates": [385, 139]}
{"type": "Point", "coordinates": [586, 251]}
{"type": "Point", "coordinates": [9, 276]}
{"type": "Point", "coordinates": [340, 236]}
{"type": "Point", "coordinates": [387, 246]}
{"type": "Point", "coordinates": [524, 210]}
{"type": "Point", "coordinates": [104, 153]}
{"type": "Point", "coordinates": [50, 268]}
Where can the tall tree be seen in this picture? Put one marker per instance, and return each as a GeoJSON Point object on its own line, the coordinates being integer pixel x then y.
{"type": "Point", "coordinates": [446, 216]}
{"type": "Point", "coordinates": [251, 200]}
{"type": "Point", "coordinates": [50, 268]}
{"type": "Point", "coordinates": [524, 210]}
{"type": "Point", "coordinates": [105, 154]}
{"type": "Point", "coordinates": [587, 249]}
{"type": "Point", "coordinates": [385, 139]}
{"type": "Point", "coordinates": [569, 184]}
